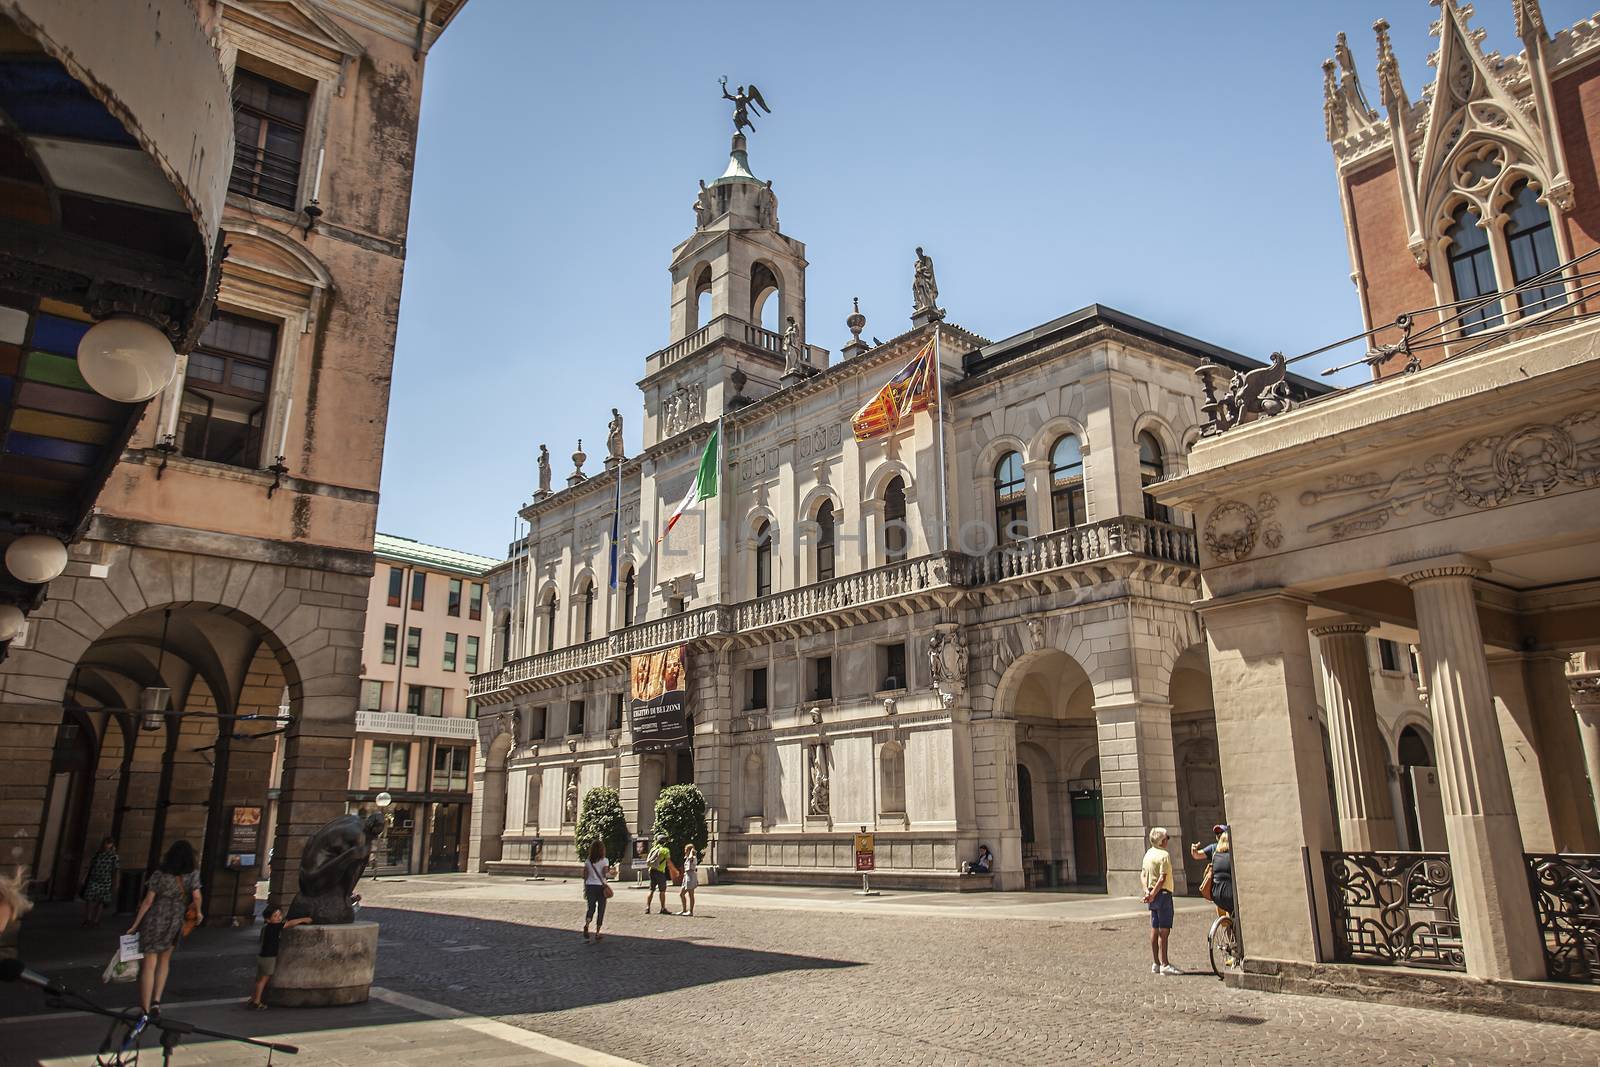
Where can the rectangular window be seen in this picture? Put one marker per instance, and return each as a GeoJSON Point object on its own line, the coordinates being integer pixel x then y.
{"type": "Point", "coordinates": [537, 720]}
{"type": "Point", "coordinates": [419, 587]}
{"type": "Point", "coordinates": [390, 765]}
{"type": "Point", "coordinates": [615, 722]}
{"type": "Point", "coordinates": [892, 661]}
{"type": "Point", "coordinates": [414, 699]}
{"type": "Point", "coordinates": [269, 137]}
{"type": "Point", "coordinates": [413, 647]}
{"type": "Point", "coordinates": [758, 689]}
{"type": "Point", "coordinates": [472, 708]}
{"type": "Point", "coordinates": [433, 701]}
{"type": "Point", "coordinates": [391, 637]}
{"type": "Point", "coordinates": [575, 717]}
{"type": "Point", "coordinates": [475, 604]}
{"type": "Point", "coordinates": [1388, 654]}
{"type": "Point", "coordinates": [371, 695]}
{"type": "Point", "coordinates": [453, 603]}
{"type": "Point", "coordinates": [450, 652]}
{"type": "Point", "coordinates": [822, 678]}
{"type": "Point", "coordinates": [472, 654]}
{"type": "Point", "coordinates": [450, 769]}
{"type": "Point", "coordinates": [397, 580]}
{"type": "Point", "coordinates": [222, 417]}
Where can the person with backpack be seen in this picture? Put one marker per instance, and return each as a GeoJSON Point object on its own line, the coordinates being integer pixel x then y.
{"type": "Point", "coordinates": [660, 863]}
{"type": "Point", "coordinates": [596, 890]}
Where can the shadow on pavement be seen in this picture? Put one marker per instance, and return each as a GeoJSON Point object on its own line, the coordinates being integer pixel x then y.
{"type": "Point", "coordinates": [478, 966]}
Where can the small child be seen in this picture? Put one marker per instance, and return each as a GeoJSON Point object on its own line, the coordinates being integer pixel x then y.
{"type": "Point", "coordinates": [267, 961]}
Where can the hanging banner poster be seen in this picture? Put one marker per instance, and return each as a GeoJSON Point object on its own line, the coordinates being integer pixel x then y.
{"type": "Point", "coordinates": [660, 705]}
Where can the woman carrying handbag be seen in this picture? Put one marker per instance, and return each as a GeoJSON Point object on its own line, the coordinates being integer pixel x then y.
{"type": "Point", "coordinates": [596, 890]}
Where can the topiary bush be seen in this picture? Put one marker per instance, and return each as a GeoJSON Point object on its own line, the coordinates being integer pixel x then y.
{"type": "Point", "coordinates": [681, 817]}
{"type": "Point", "coordinates": [600, 819]}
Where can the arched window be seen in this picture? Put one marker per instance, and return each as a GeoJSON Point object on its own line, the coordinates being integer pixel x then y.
{"type": "Point", "coordinates": [702, 299]}
{"type": "Point", "coordinates": [1010, 498]}
{"type": "Point", "coordinates": [587, 607]}
{"type": "Point", "coordinates": [765, 300]}
{"type": "Point", "coordinates": [1472, 271]}
{"type": "Point", "coordinates": [1532, 246]}
{"type": "Point", "coordinates": [1066, 484]}
{"type": "Point", "coordinates": [551, 605]}
{"type": "Point", "coordinates": [825, 536]}
{"type": "Point", "coordinates": [894, 521]}
{"type": "Point", "coordinates": [630, 594]}
{"type": "Point", "coordinates": [764, 559]}
{"type": "Point", "coordinates": [1152, 469]}
{"type": "Point", "coordinates": [892, 778]}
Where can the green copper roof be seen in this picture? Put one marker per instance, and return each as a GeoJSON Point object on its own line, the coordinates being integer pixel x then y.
{"type": "Point", "coordinates": [405, 550]}
{"type": "Point", "coordinates": [738, 165]}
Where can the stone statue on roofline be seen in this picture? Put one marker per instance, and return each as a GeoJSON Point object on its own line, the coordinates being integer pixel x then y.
{"type": "Point", "coordinates": [743, 99]}
{"type": "Point", "coordinates": [544, 471]}
{"type": "Point", "coordinates": [614, 438]}
{"type": "Point", "coordinates": [924, 291]}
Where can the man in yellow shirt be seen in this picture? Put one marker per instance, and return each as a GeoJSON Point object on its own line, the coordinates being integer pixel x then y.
{"type": "Point", "coordinates": [1156, 874]}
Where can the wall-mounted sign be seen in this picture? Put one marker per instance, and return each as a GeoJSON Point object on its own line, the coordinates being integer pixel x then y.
{"type": "Point", "coordinates": [244, 837]}
{"type": "Point", "coordinates": [660, 705]}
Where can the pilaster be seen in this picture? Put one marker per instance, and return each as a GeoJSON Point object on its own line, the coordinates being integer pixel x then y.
{"type": "Point", "coordinates": [1138, 789]}
{"type": "Point", "coordinates": [1360, 769]}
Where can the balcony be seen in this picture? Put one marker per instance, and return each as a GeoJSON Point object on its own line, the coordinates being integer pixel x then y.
{"type": "Point", "coordinates": [389, 722]}
{"type": "Point", "coordinates": [725, 327]}
{"type": "Point", "coordinates": [911, 584]}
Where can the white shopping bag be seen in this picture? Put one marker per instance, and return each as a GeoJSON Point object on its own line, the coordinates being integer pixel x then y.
{"type": "Point", "coordinates": [128, 948]}
{"type": "Point", "coordinates": [120, 971]}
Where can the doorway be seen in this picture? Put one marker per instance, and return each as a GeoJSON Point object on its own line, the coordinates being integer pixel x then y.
{"type": "Point", "coordinates": [444, 838]}
{"type": "Point", "coordinates": [1088, 832]}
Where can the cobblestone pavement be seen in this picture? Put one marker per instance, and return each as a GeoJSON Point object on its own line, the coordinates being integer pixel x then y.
{"type": "Point", "coordinates": [786, 978]}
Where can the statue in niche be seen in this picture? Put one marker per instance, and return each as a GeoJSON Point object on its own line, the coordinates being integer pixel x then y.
{"type": "Point", "coordinates": [924, 287]}
{"type": "Point", "coordinates": [544, 469]}
{"type": "Point", "coordinates": [572, 797]}
{"type": "Point", "coordinates": [614, 436]}
{"type": "Point", "coordinates": [742, 99]}
{"type": "Point", "coordinates": [330, 866]}
{"type": "Point", "coordinates": [819, 781]}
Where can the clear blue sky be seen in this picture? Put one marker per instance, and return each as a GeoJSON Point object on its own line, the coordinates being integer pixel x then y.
{"type": "Point", "coordinates": [1163, 158]}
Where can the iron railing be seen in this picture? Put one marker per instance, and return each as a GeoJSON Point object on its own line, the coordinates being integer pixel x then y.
{"type": "Point", "coordinates": [263, 175]}
{"type": "Point", "coordinates": [1453, 331]}
{"type": "Point", "coordinates": [1395, 908]}
{"type": "Point", "coordinates": [1566, 905]}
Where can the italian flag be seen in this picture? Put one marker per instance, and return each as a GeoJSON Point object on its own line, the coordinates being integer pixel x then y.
{"type": "Point", "coordinates": [704, 486]}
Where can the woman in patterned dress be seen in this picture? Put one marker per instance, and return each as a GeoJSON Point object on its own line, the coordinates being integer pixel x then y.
{"type": "Point", "coordinates": [159, 923]}
{"type": "Point", "coordinates": [101, 882]}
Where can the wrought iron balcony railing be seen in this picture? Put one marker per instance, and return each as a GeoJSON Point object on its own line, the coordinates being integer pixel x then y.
{"type": "Point", "coordinates": [1559, 297]}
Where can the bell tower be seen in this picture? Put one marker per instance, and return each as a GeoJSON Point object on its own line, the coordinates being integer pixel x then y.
{"type": "Point", "coordinates": [734, 271]}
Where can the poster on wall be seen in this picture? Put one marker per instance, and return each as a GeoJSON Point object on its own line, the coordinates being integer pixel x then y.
{"type": "Point", "coordinates": [660, 700]}
{"type": "Point", "coordinates": [244, 833]}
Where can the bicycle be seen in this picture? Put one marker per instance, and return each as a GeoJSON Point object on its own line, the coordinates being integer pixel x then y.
{"type": "Point", "coordinates": [1225, 946]}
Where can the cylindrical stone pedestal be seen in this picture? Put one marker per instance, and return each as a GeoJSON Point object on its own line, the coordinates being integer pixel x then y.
{"type": "Point", "coordinates": [324, 966]}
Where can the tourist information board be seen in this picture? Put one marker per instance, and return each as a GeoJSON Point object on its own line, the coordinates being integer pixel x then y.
{"type": "Point", "coordinates": [660, 705]}
{"type": "Point", "coordinates": [244, 837]}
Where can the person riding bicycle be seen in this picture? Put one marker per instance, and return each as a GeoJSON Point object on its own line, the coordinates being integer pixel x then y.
{"type": "Point", "coordinates": [1220, 856]}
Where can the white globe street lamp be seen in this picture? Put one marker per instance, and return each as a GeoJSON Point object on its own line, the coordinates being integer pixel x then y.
{"type": "Point", "coordinates": [126, 359]}
{"type": "Point", "coordinates": [11, 622]}
{"type": "Point", "coordinates": [36, 559]}
{"type": "Point", "coordinates": [383, 800]}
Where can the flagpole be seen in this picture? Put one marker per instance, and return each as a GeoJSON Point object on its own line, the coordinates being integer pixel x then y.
{"type": "Point", "coordinates": [938, 381]}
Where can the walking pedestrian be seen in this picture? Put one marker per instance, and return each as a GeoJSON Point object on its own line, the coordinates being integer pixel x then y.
{"type": "Point", "coordinates": [170, 892]}
{"type": "Point", "coordinates": [659, 860]}
{"type": "Point", "coordinates": [1156, 874]}
{"type": "Point", "coordinates": [100, 883]}
{"type": "Point", "coordinates": [691, 879]}
{"type": "Point", "coordinates": [596, 890]}
{"type": "Point", "coordinates": [272, 928]}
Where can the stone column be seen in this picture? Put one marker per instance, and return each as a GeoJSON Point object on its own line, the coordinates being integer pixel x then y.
{"type": "Point", "coordinates": [1036, 473]}
{"type": "Point", "coordinates": [1138, 790]}
{"type": "Point", "coordinates": [1491, 881]}
{"type": "Point", "coordinates": [1360, 768]}
{"type": "Point", "coordinates": [1586, 704]}
{"type": "Point", "coordinates": [1273, 775]}
{"type": "Point", "coordinates": [994, 796]}
{"type": "Point", "coordinates": [1561, 754]}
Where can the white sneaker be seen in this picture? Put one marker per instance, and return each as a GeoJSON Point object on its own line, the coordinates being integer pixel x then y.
{"type": "Point", "coordinates": [1170, 969]}
{"type": "Point", "coordinates": [1155, 968]}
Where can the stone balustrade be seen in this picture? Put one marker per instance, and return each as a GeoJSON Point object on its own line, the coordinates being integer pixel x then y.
{"type": "Point", "coordinates": [1054, 551]}
{"type": "Point", "coordinates": [723, 326]}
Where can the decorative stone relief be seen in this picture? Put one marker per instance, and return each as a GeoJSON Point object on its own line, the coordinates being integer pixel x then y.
{"type": "Point", "coordinates": [1233, 528]}
{"type": "Point", "coordinates": [682, 408]}
{"type": "Point", "coordinates": [1484, 472]}
{"type": "Point", "coordinates": [947, 662]}
{"type": "Point", "coordinates": [890, 705]}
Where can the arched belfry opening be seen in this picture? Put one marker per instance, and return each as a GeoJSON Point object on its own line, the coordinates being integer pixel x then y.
{"type": "Point", "coordinates": [766, 298]}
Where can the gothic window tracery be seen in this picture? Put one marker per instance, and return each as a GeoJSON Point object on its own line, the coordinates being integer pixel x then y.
{"type": "Point", "coordinates": [1531, 247]}
{"type": "Point", "coordinates": [1472, 270]}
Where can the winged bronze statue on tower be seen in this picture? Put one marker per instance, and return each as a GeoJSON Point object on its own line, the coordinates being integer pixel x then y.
{"type": "Point", "coordinates": [743, 100]}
